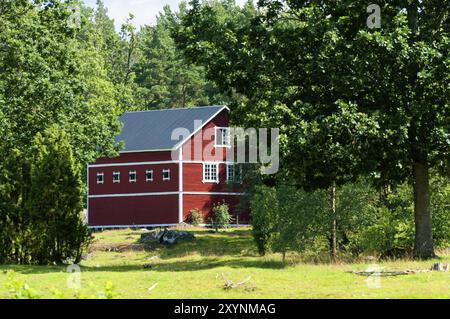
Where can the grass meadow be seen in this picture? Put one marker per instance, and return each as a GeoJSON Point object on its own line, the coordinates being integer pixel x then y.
{"type": "Point", "coordinates": [117, 266]}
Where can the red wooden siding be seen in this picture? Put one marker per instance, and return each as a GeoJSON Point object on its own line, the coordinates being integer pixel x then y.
{"type": "Point", "coordinates": [190, 153]}
{"type": "Point", "coordinates": [136, 157]}
{"type": "Point", "coordinates": [137, 210]}
{"type": "Point", "coordinates": [160, 209]}
{"type": "Point", "coordinates": [140, 186]}
{"type": "Point", "coordinates": [193, 179]}
{"type": "Point", "coordinates": [205, 204]}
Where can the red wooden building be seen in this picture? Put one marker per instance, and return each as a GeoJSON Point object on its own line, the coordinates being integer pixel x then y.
{"type": "Point", "coordinates": [173, 161]}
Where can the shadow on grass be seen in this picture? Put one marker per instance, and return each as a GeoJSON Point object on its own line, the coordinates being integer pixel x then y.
{"type": "Point", "coordinates": [209, 263]}
{"type": "Point", "coordinates": [236, 245]}
{"type": "Point", "coordinates": [210, 244]}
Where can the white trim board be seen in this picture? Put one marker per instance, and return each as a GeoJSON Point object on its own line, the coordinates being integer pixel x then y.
{"type": "Point", "coordinates": [166, 193]}
{"type": "Point", "coordinates": [132, 163]}
{"type": "Point", "coordinates": [159, 225]}
{"type": "Point", "coordinates": [180, 185]}
{"type": "Point", "coordinates": [158, 162]}
{"type": "Point", "coordinates": [133, 226]}
{"type": "Point", "coordinates": [214, 193]}
{"type": "Point", "coordinates": [133, 194]}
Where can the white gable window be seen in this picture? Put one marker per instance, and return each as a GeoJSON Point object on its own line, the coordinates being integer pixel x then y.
{"type": "Point", "coordinates": [116, 177]}
{"type": "Point", "coordinates": [210, 173]}
{"type": "Point", "coordinates": [132, 176]}
{"type": "Point", "coordinates": [100, 178]}
{"type": "Point", "coordinates": [166, 174]}
{"type": "Point", "coordinates": [223, 138]}
{"type": "Point", "coordinates": [149, 175]}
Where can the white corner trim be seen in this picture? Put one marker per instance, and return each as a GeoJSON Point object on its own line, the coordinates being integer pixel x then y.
{"type": "Point", "coordinates": [180, 185]}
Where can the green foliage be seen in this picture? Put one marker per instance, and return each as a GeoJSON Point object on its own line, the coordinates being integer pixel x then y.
{"type": "Point", "coordinates": [18, 288]}
{"type": "Point", "coordinates": [55, 200]}
{"type": "Point", "coordinates": [42, 203]}
{"type": "Point", "coordinates": [195, 217]}
{"type": "Point", "coordinates": [166, 79]}
{"type": "Point", "coordinates": [440, 207]}
{"type": "Point", "coordinates": [221, 217]}
{"type": "Point", "coordinates": [264, 207]}
{"type": "Point", "coordinates": [349, 101]}
{"type": "Point", "coordinates": [388, 237]}
{"type": "Point", "coordinates": [288, 220]}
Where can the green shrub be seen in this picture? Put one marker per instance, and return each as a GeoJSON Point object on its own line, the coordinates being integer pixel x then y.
{"type": "Point", "coordinates": [264, 208]}
{"type": "Point", "coordinates": [195, 217]}
{"type": "Point", "coordinates": [18, 288]}
{"type": "Point", "coordinates": [221, 217]}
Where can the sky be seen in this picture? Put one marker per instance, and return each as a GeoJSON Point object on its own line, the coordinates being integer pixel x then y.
{"type": "Point", "coordinates": [144, 11]}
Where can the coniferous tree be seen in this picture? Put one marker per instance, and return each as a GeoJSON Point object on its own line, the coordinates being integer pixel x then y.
{"type": "Point", "coordinates": [55, 200]}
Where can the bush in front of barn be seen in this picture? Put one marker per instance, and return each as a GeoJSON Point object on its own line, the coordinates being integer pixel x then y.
{"type": "Point", "coordinates": [195, 217]}
{"type": "Point", "coordinates": [221, 217]}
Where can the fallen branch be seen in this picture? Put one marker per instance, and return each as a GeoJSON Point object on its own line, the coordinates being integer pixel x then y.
{"type": "Point", "coordinates": [152, 287]}
{"type": "Point", "coordinates": [229, 284]}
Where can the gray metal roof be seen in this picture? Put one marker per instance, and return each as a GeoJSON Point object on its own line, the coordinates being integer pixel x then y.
{"type": "Point", "coordinates": [152, 130]}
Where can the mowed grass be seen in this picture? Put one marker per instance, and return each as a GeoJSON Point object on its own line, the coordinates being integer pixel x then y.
{"type": "Point", "coordinates": [194, 268]}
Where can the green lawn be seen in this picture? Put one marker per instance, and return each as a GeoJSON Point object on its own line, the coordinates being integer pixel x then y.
{"type": "Point", "coordinates": [193, 269]}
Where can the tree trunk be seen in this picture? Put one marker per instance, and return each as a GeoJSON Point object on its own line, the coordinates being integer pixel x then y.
{"type": "Point", "coordinates": [423, 244]}
{"type": "Point", "coordinates": [333, 228]}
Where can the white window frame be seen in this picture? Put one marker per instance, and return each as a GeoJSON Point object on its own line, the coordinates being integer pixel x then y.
{"type": "Point", "coordinates": [237, 173]}
{"type": "Point", "coordinates": [230, 168]}
{"type": "Point", "coordinates": [210, 179]}
{"type": "Point", "coordinates": [146, 175]}
{"type": "Point", "coordinates": [103, 178]}
{"type": "Point", "coordinates": [135, 176]}
{"type": "Point", "coordinates": [118, 174]}
{"type": "Point", "coordinates": [167, 170]}
{"type": "Point", "coordinates": [228, 136]}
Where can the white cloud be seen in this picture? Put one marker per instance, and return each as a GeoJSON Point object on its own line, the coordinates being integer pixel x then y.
{"type": "Point", "coordinates": [145, 11]}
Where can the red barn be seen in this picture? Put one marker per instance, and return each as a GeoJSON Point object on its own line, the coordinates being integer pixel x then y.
{"type": "Point", "coordinates": [173, 161]}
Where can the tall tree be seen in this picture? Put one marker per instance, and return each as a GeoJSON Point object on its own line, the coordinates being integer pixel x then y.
{"type": "Point", "coordinates": [55, 200]}
{"type": "Point", "coordinates": [51, 72]}
{"type": "Point", "coordinates": [166, 78]}
{"type": "Point", "coordinates": [349, 100]}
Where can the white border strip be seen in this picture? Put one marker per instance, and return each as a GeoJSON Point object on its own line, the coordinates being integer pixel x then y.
{"type": "Point", "coordinates": [165, 193]}
{"type": "Point", "coordinates": [214, 193]}
{"type": "Point", "coordinates": [157, 163]}
{"type": "Point", "coordinates": [160, 225]}
{"type": "Point", "coordinates": [133, 194]}
{"type": "Point", "coordinates": [131, 163]}
{"type": "Point", "coordinates": [133, 226]}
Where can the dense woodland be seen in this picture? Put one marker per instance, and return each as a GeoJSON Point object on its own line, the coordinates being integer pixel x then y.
{"type": "Point", "coordinates": [363, 113]}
